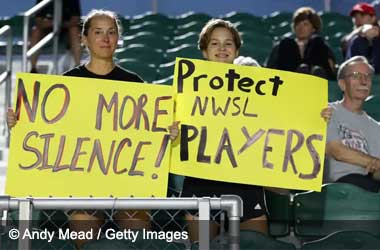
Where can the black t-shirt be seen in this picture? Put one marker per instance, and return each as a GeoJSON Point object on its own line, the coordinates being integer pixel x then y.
{"type": "Point", "coordinates": [117, 74]}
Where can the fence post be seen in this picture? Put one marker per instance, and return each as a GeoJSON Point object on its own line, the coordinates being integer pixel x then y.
{"type": "Point", "coordinates": [25, 216]}
{"type": "Point", "coordinates": [204, 223]}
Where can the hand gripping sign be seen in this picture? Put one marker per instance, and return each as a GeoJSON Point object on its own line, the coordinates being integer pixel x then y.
{"type": "Point", "coordinates": [249, 125]}
{"type": "Point", "coordinates": [89, 137]}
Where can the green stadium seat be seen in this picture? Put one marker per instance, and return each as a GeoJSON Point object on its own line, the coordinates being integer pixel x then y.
{"type": "Point", "coordinates": [152, 26]}
{"type": "Point", "coordinates": [158, 18]}
{"type": "Point", "coordinates": [372, 107]}
{"type": "Point", "coordinates": [339, 206]}
{"type": "Point", "coordinates": [145, 70]}
{"type": "Point", "coordinates": [175, 184]}
{"type": "Point", "coordinates": [193, 26]}
{"type": "Point", "coordinates": [280, 29]}
{"type": "Point", "coordinates": [142, 53]}
{"type": "Point", "coordinates": [185, 50]}
{"type": "Point", "coordinates": [280, 213]}
{"type": "Point", "coordinates": [345, 240]}
{"type": "Point", "coordinates": [140, 244]}
{"type": "Point", "coordinates": [250, 240]}
{"type": "Point", "coordinates": [234, 17]}
{"type": "Point", "coordinates": [149, 39]}
{"type": "Point", "coordinates": [165, 81]}
{"type": "Point", "coordinates": [278, 17]}
{"type": "Point", "coordinates": [334, 92]}
{"type": "Point", "coordinates": [165, 70]}
{"type": "Point", "coordinates": [191, 16]}
{"type": "Point", "coordinates": [253, 26]}
{"type": "Point", "coordinates": [189, 38]}
{"type": "Point", "coordinates": [334, 27]}
{"type": "Point", "coordinates": [125, 23]}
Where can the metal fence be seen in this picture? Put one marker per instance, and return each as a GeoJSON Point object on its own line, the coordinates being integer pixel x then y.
{"type": "Point", "coordinates": [50, 216]}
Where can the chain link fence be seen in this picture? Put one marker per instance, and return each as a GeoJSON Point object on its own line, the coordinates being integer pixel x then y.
{"type": "Point", "coordinates": [110, 223]}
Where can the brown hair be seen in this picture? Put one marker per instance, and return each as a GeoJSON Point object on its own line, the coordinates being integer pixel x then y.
{"type": "Point", "coordinates": [96, 13]}
{"type": "Point", "coordinates": [210, 26]}
{"type": "Point", "coordinates": [307, 13]}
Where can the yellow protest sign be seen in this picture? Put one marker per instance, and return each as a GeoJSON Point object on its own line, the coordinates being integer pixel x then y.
{"type": "Point", "coordinates": [81, 137]}
{"type": "Point", "coordinates": [249, 125]}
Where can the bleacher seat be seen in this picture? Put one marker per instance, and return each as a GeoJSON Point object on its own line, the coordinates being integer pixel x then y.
{"type": "Point", "coordinates": [250, 240]}
{"type": "Point", "coordinates": [153, 17]}
{"type": "Point", "coordinates": [142, 53]}
{"type": "Point", "coordinates": [185, 50]}
{"type": "Point", "coordinates": [339, 206]}
{"type": "Point", "coordinates": [165, 70]}
{"type": "Point", "coordinates": [278, 17]}
{"type": "Point", "coordinates": [345, 240]}
{"type": "Point", "coordinates": [149, 39]}
{"type": "Point", "coordinates": [145, 70]}
{"type": "Point", "coordinates": [189, 37]}
{"type": "Point", "coordinates": [372, 107]}
{"type": "Point", "coordinates": [334, 92]}
{"type": "Point", "coordinates": [193, 26]}
{"type": "Point", "coordinates": [160, 29]}
{"type": "Point", "coordinates": [191, 16]}
{"type": "Point", "coordinates": [141, 244]}
{"type": "Point", "coordinates": [280, 210]}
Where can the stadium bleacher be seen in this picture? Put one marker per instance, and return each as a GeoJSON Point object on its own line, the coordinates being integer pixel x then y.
{"type": "Point", "coordinates": [159, 39]}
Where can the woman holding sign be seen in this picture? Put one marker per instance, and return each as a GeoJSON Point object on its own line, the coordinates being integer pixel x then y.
{"type": "Point", "coordinates": [219, 41]}
{"type": "Point", "coordinates": [100, 34]}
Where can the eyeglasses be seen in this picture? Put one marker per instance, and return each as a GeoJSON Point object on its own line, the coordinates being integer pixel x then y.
{"type": "Point", "coordinates": [358, 76]}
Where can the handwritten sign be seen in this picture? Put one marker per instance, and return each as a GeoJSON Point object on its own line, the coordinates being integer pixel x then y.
{"type": "Point", "coordinates": [249, 125]}
{"type": "Point", "coordinates": [89, 137]}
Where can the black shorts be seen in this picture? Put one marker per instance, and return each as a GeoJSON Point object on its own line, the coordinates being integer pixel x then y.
{"type": "Point", "coordinates": [253, 196]}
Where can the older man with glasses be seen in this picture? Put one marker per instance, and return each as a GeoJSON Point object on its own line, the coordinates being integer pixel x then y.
{"type": "Point", "coordinates": [353, 137]}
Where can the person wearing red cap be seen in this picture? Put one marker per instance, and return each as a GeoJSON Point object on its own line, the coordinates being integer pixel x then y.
{"type": "Point", "coordinates": [364, 40]}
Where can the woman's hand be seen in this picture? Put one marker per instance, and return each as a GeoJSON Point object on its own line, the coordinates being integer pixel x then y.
{"type": "Point", "coordinates": [174, 130]}
{"type": "Point", "coordinates": [11, 118]}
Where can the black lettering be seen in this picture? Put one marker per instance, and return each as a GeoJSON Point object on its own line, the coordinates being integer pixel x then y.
{"type": "Point", "coordinates": [201, 157]}
{"type": "Point", "coordinates": [276, 84]}
{"type": "Point", "coordinates": [232, 76]}
{"type": "Point", "coordinates": [245, 83]}
{"type": "Point", "coordinates": [185, 139]}
{"type": "Point", "coordinates": [225, 144]}
{"type": "Point", "coordinates": [183, 75]}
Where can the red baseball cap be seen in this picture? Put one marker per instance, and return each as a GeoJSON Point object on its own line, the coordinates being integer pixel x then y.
{"type": "Point", "coordinates": [364, 8]}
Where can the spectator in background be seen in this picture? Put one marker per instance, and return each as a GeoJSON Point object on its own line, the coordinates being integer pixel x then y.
{"type": "Point", "coordinates": [364, 40]}
{"type": "Point", "coordinates": [307, 52]}
{"type": "Point", "coordinates": [71, 14]}
{"type": "Point", "coordinates": [353, 137]}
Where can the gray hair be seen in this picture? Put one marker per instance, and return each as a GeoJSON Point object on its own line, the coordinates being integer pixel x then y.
{"type": "Point", "coordinates": [343, 68]}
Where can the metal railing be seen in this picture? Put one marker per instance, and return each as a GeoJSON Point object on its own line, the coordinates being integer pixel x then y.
{"type": "Point", "coordinates": [26, 54]}
{"type": "Point", "coordinates": [6, 76]}
{"type": "Point", "coordinates": [231, 204]}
